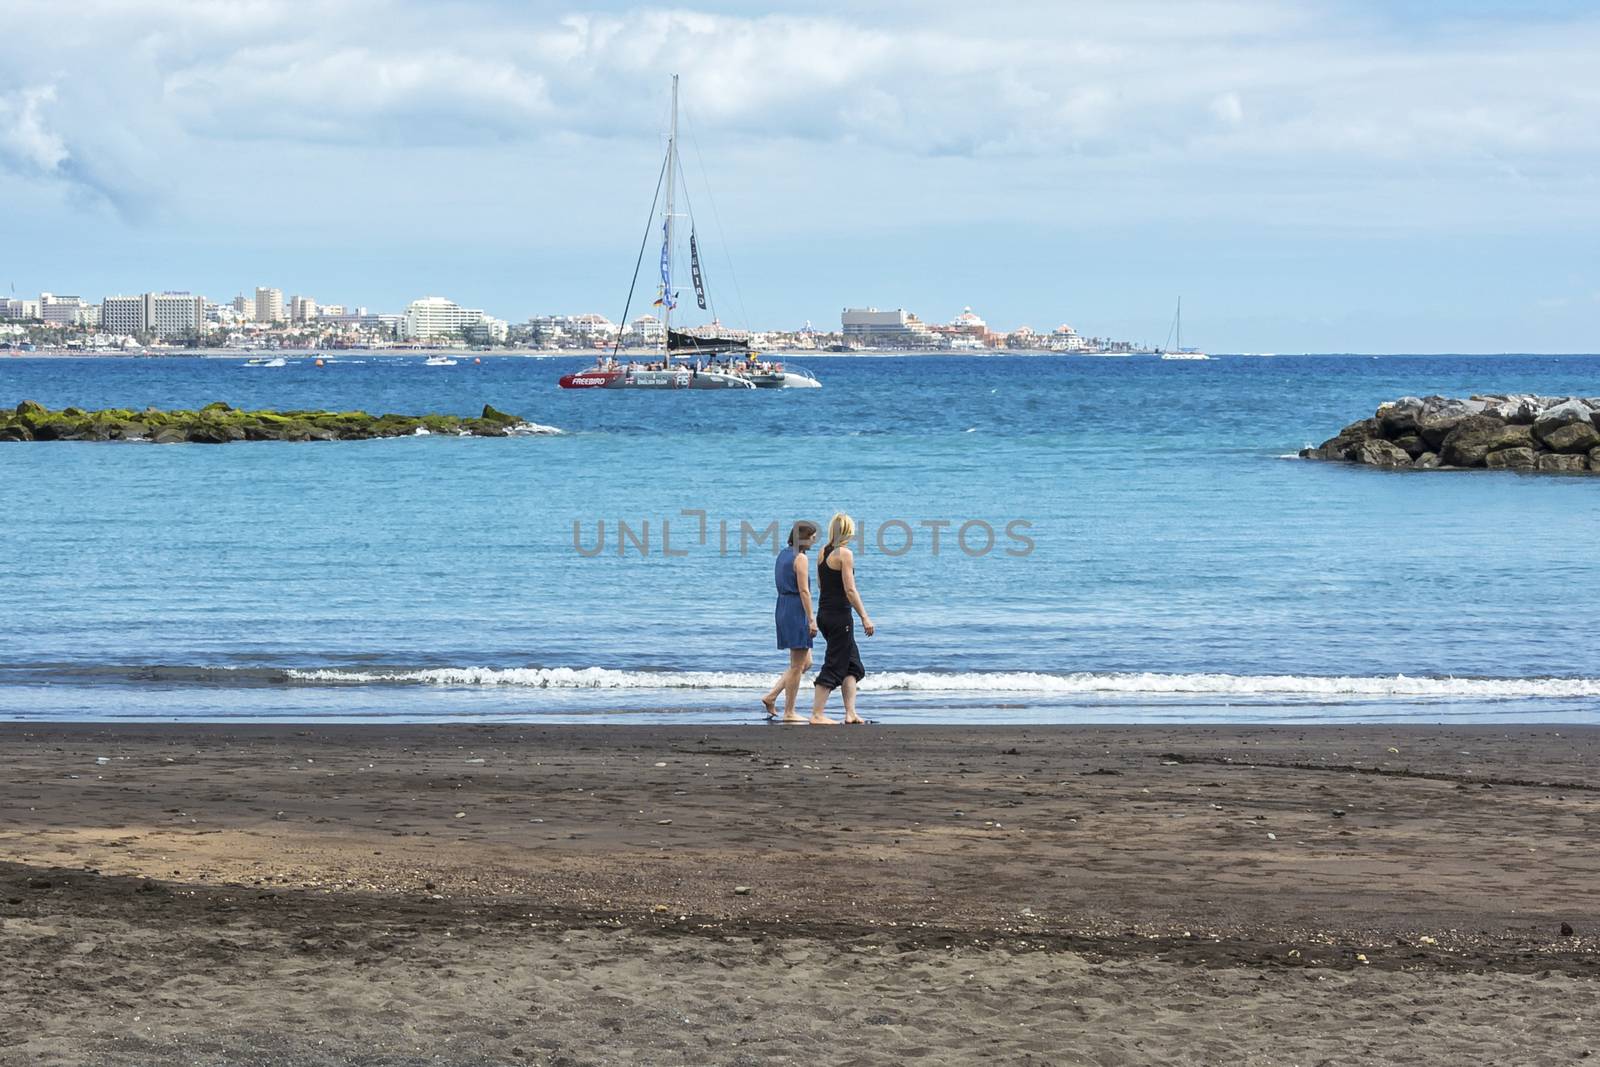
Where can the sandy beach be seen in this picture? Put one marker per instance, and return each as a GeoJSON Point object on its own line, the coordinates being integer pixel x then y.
{"type": "Point", "coordinates": [750, 895]}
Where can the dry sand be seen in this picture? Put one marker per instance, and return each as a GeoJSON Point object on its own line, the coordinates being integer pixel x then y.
{"type": "Point", "coordinates": [1073, 895]}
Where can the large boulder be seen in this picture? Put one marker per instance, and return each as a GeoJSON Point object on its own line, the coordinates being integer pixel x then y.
{"type": "Point", "coordinates": [1412, 444]}
{"type": "Point", "coordinates": [1516, 459]}
{"type": "Point", "coordinates": [1514, 407]}
{"type": "Point", "coordinates": [1567, 413]}
{"type": "Point", "coordinates": [1426, 462]}
{"type": "Point", "coordinates": [491, 414]}
{"type": "Point", "coordinates": [1441, 414]}
{"type": "Point", "coordinates": [1344, 445]}
{"type": "Point", "coordinates": [1399, 417]}
{"type": "Point", "coordinates": [1559, 464]}
{"type": "Point", "coordinates": [1471, 440]}
{"type": "Point", "coordinates": [1377, 453]}
{"type": "Point", "coordinates": [168, 435]}
{"type": "Point", "coordinates": [60, 428]}
{"type": "Point", "coordinates": [1577, 437]}
{"type": "Point", "coordinates": [15, 431]}
{"type": "Point", "coordinates": [215, 431]}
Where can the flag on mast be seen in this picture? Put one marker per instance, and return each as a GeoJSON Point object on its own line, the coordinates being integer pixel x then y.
{"type": "Point", "coordinates": [666, 298]}
{"type": "Point", "coordinates": [694, 270]}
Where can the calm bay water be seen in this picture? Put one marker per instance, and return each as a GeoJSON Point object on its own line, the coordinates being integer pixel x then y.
{"type": "Point", "coordinates": [1181, 569]}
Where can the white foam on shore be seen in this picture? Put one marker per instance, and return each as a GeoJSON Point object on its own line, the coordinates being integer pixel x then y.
{"type": "Point", "coordinates": [1129, 683]}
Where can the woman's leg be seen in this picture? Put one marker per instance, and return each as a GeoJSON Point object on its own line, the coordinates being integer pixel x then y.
{"type": "Point", "coordinates": [848, 688]}
{"type": "Point", "coordinates": [799, 660]}
{"type": "Point", "coordinates": [819, 700]}
{"type": "Point", "coordinates": [787, 683]}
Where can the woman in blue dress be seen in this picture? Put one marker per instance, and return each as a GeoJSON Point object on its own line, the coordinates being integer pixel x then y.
{"type": "Point", "coordinates": [797, 623]}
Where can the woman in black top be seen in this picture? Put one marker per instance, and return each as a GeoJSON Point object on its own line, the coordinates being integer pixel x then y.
{"type": "Point", "coordinates": [841, 665]}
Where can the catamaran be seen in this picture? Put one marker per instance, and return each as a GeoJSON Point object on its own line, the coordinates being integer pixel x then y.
{"type": "Point", "coordinates": [697, 358]}
{"type": "Point", "coordinates": [1178, 351]}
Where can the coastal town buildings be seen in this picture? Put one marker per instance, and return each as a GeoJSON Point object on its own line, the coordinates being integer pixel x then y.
{"type": "Point", "coordinates": [157, 315]}
{"type": "Point", "coordinates": [122, 314]}
{"type": "Point", "coordinates": [871, 328]}
{"type": "Point", "coordinates": [269, 304]}
{"type": "Point", "coordinates": [433, 318]}
{"type": "Point", "coordinates": [262, 319]}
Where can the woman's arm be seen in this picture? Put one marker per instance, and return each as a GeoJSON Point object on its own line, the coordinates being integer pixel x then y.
{"type": "Point", "coordinates": [847, 571]}
{"type": "Point", "coordinates": [802, 579]}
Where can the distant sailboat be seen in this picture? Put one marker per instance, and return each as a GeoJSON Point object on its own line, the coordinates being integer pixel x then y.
{"type": "Point", "coordinates": [699, 358]}
{"type": "Point", "coordinates": [1177, 351]}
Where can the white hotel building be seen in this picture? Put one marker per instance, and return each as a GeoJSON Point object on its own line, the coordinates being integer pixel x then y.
{"type": "Point", "coordinates": [433, 318]}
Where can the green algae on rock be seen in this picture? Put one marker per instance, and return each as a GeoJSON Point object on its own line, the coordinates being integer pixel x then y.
{"type": "Point", "coordinates": [218, 423]}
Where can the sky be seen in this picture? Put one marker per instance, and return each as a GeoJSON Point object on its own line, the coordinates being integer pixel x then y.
{"type": "Point", "coordinates": [1319, 176]}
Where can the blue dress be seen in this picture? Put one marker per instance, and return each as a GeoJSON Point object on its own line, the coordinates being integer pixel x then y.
{"type": "Point", "coordinates": [790, 614]}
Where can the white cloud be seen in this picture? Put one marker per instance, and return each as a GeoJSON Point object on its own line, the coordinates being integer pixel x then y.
{"type": "Point", "coordinates": [27, 143]}
{"type": "Point", "coordinates": [1252, 95]}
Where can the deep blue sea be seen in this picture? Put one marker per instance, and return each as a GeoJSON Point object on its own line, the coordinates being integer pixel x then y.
{"type": "Point", "coordinates": [1166, 561]}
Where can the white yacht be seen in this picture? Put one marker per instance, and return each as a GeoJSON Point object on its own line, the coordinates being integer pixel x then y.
{"type": "Point", "coordinates": [1177, 351]}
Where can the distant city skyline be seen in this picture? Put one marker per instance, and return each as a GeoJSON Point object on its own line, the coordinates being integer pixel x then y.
{"type": "Point", "coordinates": [1325, 176]}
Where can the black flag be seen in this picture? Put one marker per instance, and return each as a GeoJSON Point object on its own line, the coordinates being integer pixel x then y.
{"type": "Point", "coordinates": [694, 272]}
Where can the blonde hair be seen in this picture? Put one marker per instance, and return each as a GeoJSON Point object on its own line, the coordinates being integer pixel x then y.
{"type": "Point", "coordinates": [841, 528]}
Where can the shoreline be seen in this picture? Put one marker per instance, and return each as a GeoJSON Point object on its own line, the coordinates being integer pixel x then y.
{"type": "Point", "coordinates": [314, 880]}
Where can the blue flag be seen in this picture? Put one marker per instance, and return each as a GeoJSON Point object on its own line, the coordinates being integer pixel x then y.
{"type": "Point", "coordinates": [666, 299]}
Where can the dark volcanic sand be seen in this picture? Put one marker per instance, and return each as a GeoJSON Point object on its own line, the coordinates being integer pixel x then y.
{"type": "Point", "coordinates": [525, 894]}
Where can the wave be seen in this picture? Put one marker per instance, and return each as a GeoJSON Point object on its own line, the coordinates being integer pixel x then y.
{"type": "Point", "coordinates": [1082, 683]}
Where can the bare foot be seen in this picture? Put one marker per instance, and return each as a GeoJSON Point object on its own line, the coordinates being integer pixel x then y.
{"type": "Point", "coordinates": [793, 720]}
{"type": "Point", "coordinates": [823, 720]}
{"type": "Point", "coordinates": [772, 708]}
{"type": "Point", "coordinates": [852, 719]}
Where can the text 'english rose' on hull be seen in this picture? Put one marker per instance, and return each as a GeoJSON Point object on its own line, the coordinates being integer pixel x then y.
{"type": "Point", "coordinates": [695, 357]}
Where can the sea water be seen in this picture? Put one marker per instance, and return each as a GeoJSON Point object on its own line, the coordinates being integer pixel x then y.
{"type": "Point", "coordinates": [1120, 540]}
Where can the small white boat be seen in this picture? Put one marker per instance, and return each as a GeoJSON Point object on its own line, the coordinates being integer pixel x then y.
{"type": "Point", "coordinates": [438, 361]}
{"type": "Point", "coordinates": [1177, 351]}
{"type": "Point", "coordinates": [263, 361]}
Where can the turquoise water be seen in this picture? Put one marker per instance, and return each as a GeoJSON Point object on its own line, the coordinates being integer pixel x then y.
{"type": "Point", "coordinates": [1181, 569]}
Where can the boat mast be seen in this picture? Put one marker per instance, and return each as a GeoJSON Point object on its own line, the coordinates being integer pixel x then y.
{"type": "Point", "coordinates": [672, 159]}
{"type": "Point", "coordinates": [1180, 325]}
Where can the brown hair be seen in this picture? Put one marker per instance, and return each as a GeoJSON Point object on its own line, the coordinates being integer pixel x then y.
{"type": "Point", "coordinates": [803, 529]}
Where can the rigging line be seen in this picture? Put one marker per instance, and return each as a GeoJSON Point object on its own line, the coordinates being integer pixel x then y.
{"type": "Point", "coordinates": [643, 244]}
{"type": "Point", "coordinates": [722, 234]}
{"type": "Point", "coordinates": [711, 303]}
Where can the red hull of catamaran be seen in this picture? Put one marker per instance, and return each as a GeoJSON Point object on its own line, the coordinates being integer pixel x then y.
{"type": "Point", "coordinates": [590, 379]}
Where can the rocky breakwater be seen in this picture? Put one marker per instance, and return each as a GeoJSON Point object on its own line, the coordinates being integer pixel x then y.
{"type": "Point", "coordinates": [1559, 435]}
{"type": "Point", "coordinates": [219, 424]}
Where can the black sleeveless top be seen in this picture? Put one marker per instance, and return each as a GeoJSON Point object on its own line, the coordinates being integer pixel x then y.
{"type": "Point", "coordinates": [833, 600]}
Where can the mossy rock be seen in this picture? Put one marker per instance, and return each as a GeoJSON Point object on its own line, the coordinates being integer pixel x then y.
{"type": "Point", "coordinates": [396, 425]}
{"type": "Point", "coordinates": [220, 423]}
{"type": "Point", "coordinates": [445, 424]}
{"type": "Point", "coordinates": [56, 428]}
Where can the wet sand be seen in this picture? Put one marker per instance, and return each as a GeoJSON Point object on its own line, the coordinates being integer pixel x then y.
{"type": "Point", "coordinates": [692, 895]}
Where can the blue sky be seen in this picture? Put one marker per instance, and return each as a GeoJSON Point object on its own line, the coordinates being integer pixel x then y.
{"type": "Point", "coordinates": [1314, 176]}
